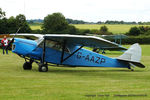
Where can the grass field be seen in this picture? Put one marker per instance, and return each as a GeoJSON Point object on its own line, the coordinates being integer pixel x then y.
{"type": "Point", "coordinates": [73, 83]}
{"type": "Point", "coordinates": [115, 29]}
{"type": "Point", "coordinates": [34, 27]}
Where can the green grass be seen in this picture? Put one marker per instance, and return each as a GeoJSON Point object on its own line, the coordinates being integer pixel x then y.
{"type": "Point", "coordinates": [115, 29]}
{"type": "Point", "coordinates": [73, 83]}
{"type": "Point", "coordinates": [35, 26]}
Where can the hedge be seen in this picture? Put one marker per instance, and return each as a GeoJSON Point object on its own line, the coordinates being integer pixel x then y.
{"type": "Point", "coordinates": [132, 40]}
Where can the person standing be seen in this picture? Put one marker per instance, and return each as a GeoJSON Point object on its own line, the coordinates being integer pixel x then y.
{"type": "Point", "coordinates": [4, 43]}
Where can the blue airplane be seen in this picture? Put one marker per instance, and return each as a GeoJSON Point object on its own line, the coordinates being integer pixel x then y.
{"type": "Point", "coordinates": [68, 50]}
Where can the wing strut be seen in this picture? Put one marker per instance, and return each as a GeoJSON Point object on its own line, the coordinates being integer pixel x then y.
{"type": "Point", "coordinates": [63, 50]}
{"type": "Point", "coordinates": [43, 56]}
{"type": "Point", "coordinates": [62, 60]}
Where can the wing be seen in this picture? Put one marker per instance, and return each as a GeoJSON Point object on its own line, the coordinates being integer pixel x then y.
{"type": "Point", "coordinates": [76, 40]}
{"type": "Point", "coordinates": [29, 36]}
{"type": "Point", "coordinates": [80, 40]}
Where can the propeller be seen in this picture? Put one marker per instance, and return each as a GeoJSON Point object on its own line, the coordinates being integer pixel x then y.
{"type": "Point", "coordinates": [9, 44]}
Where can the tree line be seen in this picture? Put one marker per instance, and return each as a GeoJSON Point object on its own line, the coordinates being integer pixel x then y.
{"type": "Point", "coordinates": [55, 23]}
{"type": "Point", "coordinates": [12, 24]}
{"type": "Point", "coordinates": [141, 30]}
{"type": "Point", "coordinates": [72, 21]}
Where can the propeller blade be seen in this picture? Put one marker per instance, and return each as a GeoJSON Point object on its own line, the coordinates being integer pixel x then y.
{"type": "Point", "coordinates": [9, 44]}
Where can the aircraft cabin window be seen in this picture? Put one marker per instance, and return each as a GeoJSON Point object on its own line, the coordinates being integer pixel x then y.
{"type": "Point", "coordinates": [55, 45]}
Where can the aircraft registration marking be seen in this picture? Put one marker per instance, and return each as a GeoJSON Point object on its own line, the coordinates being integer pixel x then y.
{"type": "Point", "coordinates": [94, 59]}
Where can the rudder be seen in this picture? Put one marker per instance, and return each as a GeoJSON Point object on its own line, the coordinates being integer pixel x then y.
{"type": "Point", "coordinates": [133, 55]}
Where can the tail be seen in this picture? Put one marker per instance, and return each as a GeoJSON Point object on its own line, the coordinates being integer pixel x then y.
{"type": "Point", "coordinates": [133, 56]}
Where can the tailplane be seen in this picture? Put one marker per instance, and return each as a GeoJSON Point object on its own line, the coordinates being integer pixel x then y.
{"type": "Point", "coordinates": [133, 56]}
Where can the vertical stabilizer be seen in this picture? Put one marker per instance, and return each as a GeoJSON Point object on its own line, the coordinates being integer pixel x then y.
{"type": "Point", "coordinates": [133, 55]}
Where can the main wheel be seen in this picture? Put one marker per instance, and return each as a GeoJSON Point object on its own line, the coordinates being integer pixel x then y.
{"type": "Point", "coordinates": [27, 66]}
{"type": "Point", "coordinates": [130, 68]}
{"type": "Point", "coordinates": [43, 68]}
{"type": "Point", "coordinates": [103, 52]}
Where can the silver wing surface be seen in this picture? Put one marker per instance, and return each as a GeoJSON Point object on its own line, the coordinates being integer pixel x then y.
{"type": "Point", "coordinates": [88, 41]}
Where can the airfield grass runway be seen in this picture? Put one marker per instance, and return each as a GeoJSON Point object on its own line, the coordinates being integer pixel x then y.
{"type": "Point", "coordinates": [61, 83]}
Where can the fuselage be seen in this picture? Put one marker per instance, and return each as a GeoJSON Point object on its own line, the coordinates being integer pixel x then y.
{"type": "Point", "coordinates": [53, 54]}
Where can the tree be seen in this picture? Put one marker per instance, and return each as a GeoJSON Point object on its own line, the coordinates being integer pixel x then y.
{"type": "Point", "coordinates": [103, 29]}
{"type": "Point", "coordinates": [21, 20]}
{"type": "Point", "coordinates": [2, 13]}
{"type": "Point", "coordinates": [22, 24]}
{"type": "Point", "coordinates": [3, 22]}
{"type": "Point", "coordinates": [3, 26]}
{"type": "Point", "coordinates": [54, 23]}
{"type": "Point", "coordinates": [12, 26]}
{"type": "Point", "coordinates": [70, 30]}
{"type": "Point", "coordinates": [134, 31]}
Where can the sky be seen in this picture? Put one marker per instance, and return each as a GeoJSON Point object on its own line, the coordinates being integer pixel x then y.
{"type": "Point", "coordinates": [87, 10]}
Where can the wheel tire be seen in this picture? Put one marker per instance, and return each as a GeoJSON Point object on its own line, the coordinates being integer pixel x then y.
{"type": "Point", "coordinates": [132, 70]}
{"type": "Point", "coordinates": [27, 66]}
{"type": "Point", "coordinates": [43, 68]}
{"type": "Point", "coordinates": [103, 52]}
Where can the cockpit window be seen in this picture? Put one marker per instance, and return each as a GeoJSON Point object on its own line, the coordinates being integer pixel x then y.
{"type": "Point", "coordinates": [54, 45]}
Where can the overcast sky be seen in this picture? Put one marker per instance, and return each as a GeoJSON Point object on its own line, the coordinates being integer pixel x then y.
{"type": "Point", "coordinates": [87, 10]}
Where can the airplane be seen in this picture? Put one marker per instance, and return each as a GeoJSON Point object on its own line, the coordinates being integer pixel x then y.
{"type": "Point", "coordinates": [67, 50]}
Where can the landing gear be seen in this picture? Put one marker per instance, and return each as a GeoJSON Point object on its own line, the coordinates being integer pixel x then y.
{"type": "Point", "coordinates": [131, 69]}
{"type": "Point", "coordinates": [27, 65]}
{"type": "Point", "coordinates": [103, 52]}
{"type": "Point", "coordinates": [43, 67]}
